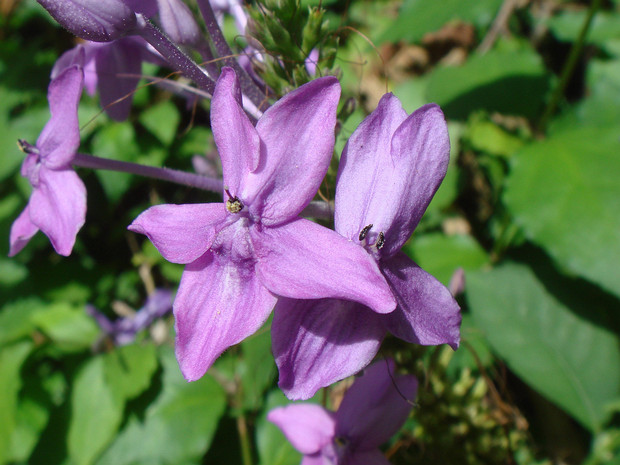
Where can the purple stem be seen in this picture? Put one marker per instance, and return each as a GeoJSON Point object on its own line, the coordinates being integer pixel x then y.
{"type": "Point", "coordinates": [248, 86]}
{"type": "Point", "coordinates": [165, 174]}
{"type": "Point", "coordinates": [173, 55]}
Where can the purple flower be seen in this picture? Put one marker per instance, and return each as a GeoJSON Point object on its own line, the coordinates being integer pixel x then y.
{"type": "Point", "coordinates": [244, 252]}
{"type": "Point", "coordinates": [96, 20]}
{"type": "Point", "coordinates": [372, 410]}
{"type": "Point", "coordinates": [57, 205]}
{"type": "Point", "coordinates": [389, 171]}
{"type": "Point", "coordinates": [113, 68]}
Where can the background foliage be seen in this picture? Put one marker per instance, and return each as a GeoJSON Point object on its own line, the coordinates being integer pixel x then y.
{"type": "Point", "coordinates": [530, 210]}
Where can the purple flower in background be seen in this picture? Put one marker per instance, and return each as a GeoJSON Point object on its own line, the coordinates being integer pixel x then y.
{"type": "Point", "coordinates": [371, 412]}
{"type": "Point", "coordinates": [96, 20]}
{"type": "Point", "coordinates": [389, 171]}
{"type": "Point", "coordinates": [232, 7]}
{"type": "Point", "coordinates": [57, 205]}
{"type": "Point", "coordinates": [244, 252]}
{"type": "Point", "coordinates": [113, 68]}
{"type": "Point", "coordinates": [123, 331]}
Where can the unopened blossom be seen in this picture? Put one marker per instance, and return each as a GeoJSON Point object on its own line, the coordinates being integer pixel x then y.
{"type": "Point", "coordinates": [96, 20]}
{"type": "Point", "coordinates": [178, 22]}
{"type": "Point", "coordinates": [372, 411]}
{"type": "Point", "coordinates": [57, 204]}
{"type": "Point", "coordinates": [389, 171]}
{"type": "Point", "coordinates": [242, 253]}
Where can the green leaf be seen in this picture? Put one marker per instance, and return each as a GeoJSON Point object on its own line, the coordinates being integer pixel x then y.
{"type": "Point", "coordinates": [161, 120]}
{"type": "Point", "coordinates": [11, 359]}
{"type": "Point", "coordinates": [96, 413]}
{"type": "Point", "coordinates": [564, 192]}
{"type": "Point", "coordinates": [418, 17]}
{"type": "Point", "coordinates": [257, 368]}
{"type": "Point", "coordinates": [567, 26]}
{"type": "Point", "coordinates": [481, 83]}
{"type": "Point", "coordinates": [11, 272]}
{"type": "Point", "coordinates": [69, 327]}
{"type": "Point", "coordinates": [273, 447]}
{"type": "Point", "coordinates": [16, 319]}
{"type": "Point", "coordinates": [31, 419]}
{"type": "Point", "coordinates": [129, 369]}
{"type": "Point", "coordinates": [177, 427]}
{"type": "Point", "coordinates": [441, 255]}
{"type": "Point", "coordinates": [558, 353]}
{"type": "Point", "coordinates": [486, 136]}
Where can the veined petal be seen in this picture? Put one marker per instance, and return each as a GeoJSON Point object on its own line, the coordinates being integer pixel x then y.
{"type": "Point", "coordinates": [60, 138]}
{"type": "Point", "coordinates": [58, 207]}
{"type": "Point", "coordinates": [236, 139]}
{"type": "Point", "coordinates": [388, 174]}
{"type": "Point", "coordinates": [22, 231]}
{"type": "Point", "coordinates": [219, 303]}
{"type": "Point", "coordinates": [308, 427]}
{"type": "Point", "coordinates": [297, 135]}
{"type": "Point", "coordinates": [427, 313]}
{"type": "Point", "coordinates": [318, 342]}
{"type": "Point", "coordinates": [118, 66]}
{"type": "Point", "coordinates": [373, 408]}
{"type": "Point", "coordinates": [181, 233]}
{"type": "Point", "coordinates": [304, 260]}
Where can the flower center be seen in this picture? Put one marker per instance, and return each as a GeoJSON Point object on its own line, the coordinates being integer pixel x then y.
{"type": "Point", "coordinates": [233, 204]}
{"type": "Point", "coordinates": [379, 243]}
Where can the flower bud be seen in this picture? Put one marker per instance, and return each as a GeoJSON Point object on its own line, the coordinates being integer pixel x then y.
{"type": "Point", "coordinates": [96, 20]}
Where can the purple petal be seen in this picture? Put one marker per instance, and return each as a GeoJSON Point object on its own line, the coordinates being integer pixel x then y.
{"type": "Point", "coordinates": [178, 22]}
{"type": "Point", "coordinates": [318, 342]}
{"type": "Point", "coordinates": [304, 260]}
{"type": "Point", "coordinates": [97, 20]}
{"type": "Point", "coordinates": [389, 185]}
{"type": "Point", "coordinates": [427, 313]}
{"type": "Point", "coordinates": [375, 406]}
{"type": "Point", "coordinates": [236, 139]}
{"type": "Point", "coordinates": [315, 459]}
{"type": "Point", "coordinates": [308, 427]}
{"type": "Point", "coordinates": [371, 457]}
{"type": "Point", "coordinates": [181, 233]}
{"type": "Point", "coordinates": [297, 135]}
{"type": "Point", "coordinates": [118, 65]}
{"type": "Point", "coordinates": [219, 303]}
{"type": "Point", "coordinates": [58, 207]}
{"type": "Point", "coordinates": [22, 231]}
{"type": "Point", "coordinates": [60, 138]}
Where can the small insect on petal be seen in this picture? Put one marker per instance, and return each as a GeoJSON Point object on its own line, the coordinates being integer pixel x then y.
{"type": "Point", "coordinates": [364, 232]}
{"type": "Point", "coordinates": [380, 240]}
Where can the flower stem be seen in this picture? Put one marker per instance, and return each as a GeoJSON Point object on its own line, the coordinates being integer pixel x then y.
{"type": "Point", "coordinates": [175, 57]}
{"type": "Point", "coordinates": [569, 66]}
{"type": "Point", "coordinates": [246, 450]}
{"type": "Point", "coordinates": [165, 174]}
{"type": "Point", "coordinates": [248, 86]}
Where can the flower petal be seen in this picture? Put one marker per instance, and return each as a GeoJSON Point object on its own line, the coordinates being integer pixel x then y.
{"type": "Point", "coordinates": [375, 406]}
{"type": "Point", "coordinates": [427, 313]}
{"type": "Point", "coordinates": [297, 135]}
{"type": "Point", "coordinates": [308, 427]}
{"type": "Point", "coordinates": [318, 342]}
{"type": "Point", "coordinates": [371, 457]}
{"type": "Point", "coordinates": [22, 231]}
{"type": "Point", "coordinates": [58, 207]}
{"type": "Point", "coordinates": [219, 303]}
{"type": "Point", "coordinates": [118, 65]}
{"type": "Point", "coordinates": [60, 138]}
{"type": "Point", "coordinates": [181, 233]}
{"type": "Point", "coordinates": [236, 139]}
{"type": "Point", "coordinates": [304, 260]}
{"type": "Point", "coordinates": [398, 182]}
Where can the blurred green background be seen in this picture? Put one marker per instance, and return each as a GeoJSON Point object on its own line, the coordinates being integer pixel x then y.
{"type": "Point", "coordinates": [529, 209]}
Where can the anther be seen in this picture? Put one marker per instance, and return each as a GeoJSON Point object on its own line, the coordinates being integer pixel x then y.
{"type": "Point", "coordinates": [364, 232]}
{"type": "Point", "coordinates": [233, 204]}
{"type": "Point", "coordinates": [26, 147]}
{"type": "Point", "coordinates": [380, 240]}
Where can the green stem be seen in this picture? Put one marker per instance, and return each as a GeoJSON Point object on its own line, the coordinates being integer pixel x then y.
{"type": "Point", "coordinates": [569, 67]}
{"type": "Point", "coordinates": [244, 439]}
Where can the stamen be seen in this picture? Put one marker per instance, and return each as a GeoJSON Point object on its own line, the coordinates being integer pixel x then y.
{"type": "Point", "coordinates": [380, 240]}
{"type": "Point", "coordinates": [26, 147]}
{"type": "Point", "coordinates": [233, 204]}
{"type": "Point", "coordinates": [364, 232]}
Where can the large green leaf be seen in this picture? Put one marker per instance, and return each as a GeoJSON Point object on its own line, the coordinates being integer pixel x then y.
{"type": "Point", "coordinates": [418, 17]}
{"type": "Point", "coordinates": [482, 83]}
{"type": "Point", "coordinates": [11, 359]}
{"type": "Point", "coordinates": [570, 360]}
{"type": "Point", "coordinates": [177, 427]}
{"type": "Point", "coordinates": [564, 192]}
{"type": "Point", "coordinates": [128, 370]}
